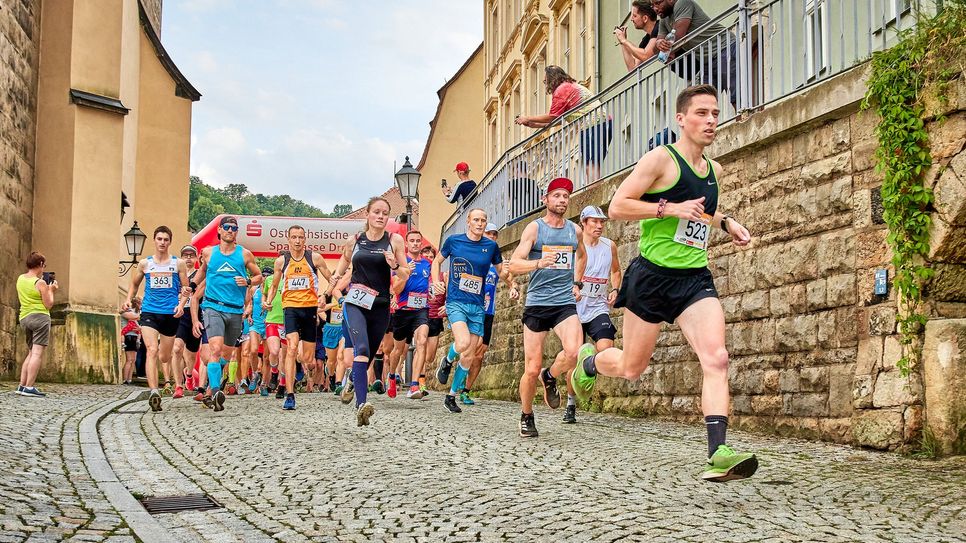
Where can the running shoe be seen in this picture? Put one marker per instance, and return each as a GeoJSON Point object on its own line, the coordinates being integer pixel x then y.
{"type": "Point", "coordinates": [378, 387]}
{"type": "Point", "coordinates": [727, 465]}
{"type": "Point", "coordinates": [528, 426]}
{"type": "Point", "coordinates": [20, 388]}
{"type": "Point", "coordinates": [391, 392]}
{"type": "Point", "coordinates": [442, 372]}
{"type": "Point", "coordinates": [232, 390]}
{"type": "Point", "coordinates": [207, 402]}
{"type": "Point", "coordinates": [218, 398]}
{"type": "Point", "coordinates": [199, 395]}
{"type": "Point", "coordinates": [449, 402]}
{"type": "Point", "coordinates": [550, 394]}
{"type": "Point", "coordinates": [414, 393]}
{"type": "Point", "coordinates": [364, 413]}
{"type": "Point", "coordinates": [154, 401]}
{"type": "Point", "coordinates": [570, 415]}
{"type": "Point", "coordinates": [347, 393]}
{"type": "Point", "coordinates": [465, 398]}
{"type": "Point", "coordinates": [273, 382]}
{"type": "Point", "coordinates": [242, 390]}
{"type": "Point", "coordinates": [425, 391]}
{"type": "Point", "coordinates": [178, 393]}
{"type": "Point", "coordinates": [399, 381]}
{"type": "Point", "coordinates": [583, 384]}
{"type": "Point", "coordinates": [263, 392]}
{"type": "Point", "coordinates": [279, 393]}
{"type": "Point", "coordinates": [256, 380]}
{"type": "Point", "coordinates": [289, 404]}
{"type": "Point", "coordinates": [32, 392]}
{"type": "Point", "coordinates": [166, 391]}
{"type": "Point", "coordinates": [338, 389]}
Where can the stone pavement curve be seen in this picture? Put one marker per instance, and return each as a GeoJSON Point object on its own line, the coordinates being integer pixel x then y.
{"type": "Point", "coordinates": [421, 474]}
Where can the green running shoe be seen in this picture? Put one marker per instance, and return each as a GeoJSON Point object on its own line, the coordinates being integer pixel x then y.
{"type": "Point", "coordinates": [727, 465]}
{"type": "Point", "coordinates": [583, 384]}
{"type": "Point", "coordinates": [465, 399]}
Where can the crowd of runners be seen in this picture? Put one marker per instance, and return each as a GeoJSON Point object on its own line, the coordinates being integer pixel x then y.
{"type": "Point", "coordinates": [219, 326]}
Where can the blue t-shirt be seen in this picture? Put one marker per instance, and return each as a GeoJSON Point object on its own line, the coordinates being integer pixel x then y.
{"type": "Point", "coordinates": [489, 291]}
{"type": "Point", "coordinates": [258, 314]}
{"type": "Point", "coordinates": [418, 282]}
{"type": "Point", "coordinates": [469, 258]}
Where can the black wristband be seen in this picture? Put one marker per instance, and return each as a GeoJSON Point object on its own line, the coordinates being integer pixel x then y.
{"type": "Point", "coordinates": [249, 281]}
{"type": "Point", "coordinates": [724, 226]}
{"type": "Point", "coordinates": [396, 268]}
{"type": "Point", "coordinates": [579, 284]}
{"type": "Point", "coordinates": [193, 285]}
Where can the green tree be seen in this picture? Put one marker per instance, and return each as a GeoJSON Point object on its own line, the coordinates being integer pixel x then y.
{"type": "Point", "coordinates": [341, 210]}
{"type": "Point", "coordinates": [202, 212]}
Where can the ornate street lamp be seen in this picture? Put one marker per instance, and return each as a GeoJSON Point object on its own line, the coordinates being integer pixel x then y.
{"type": "Point", "coordinates": [134, 240]}
{"type": "Point", "coordinates": [407, 179]}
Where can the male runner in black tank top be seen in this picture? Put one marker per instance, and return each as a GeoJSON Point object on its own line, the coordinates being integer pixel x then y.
{"type": "Point", "coordinates": [673, 191]}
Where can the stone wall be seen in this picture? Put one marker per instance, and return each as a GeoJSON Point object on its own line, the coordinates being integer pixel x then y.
{"type": "Point", "coordinates": [813, 352]}
{"type": "Point", "coordinates": [19, 55]}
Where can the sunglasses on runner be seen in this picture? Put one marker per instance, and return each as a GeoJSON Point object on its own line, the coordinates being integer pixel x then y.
{"type": "Point", "coordinates": [230, 227]}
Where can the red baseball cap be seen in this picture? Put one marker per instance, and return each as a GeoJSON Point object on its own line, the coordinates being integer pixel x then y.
{"type": "Point", "coordinates": [560, 183]}
{"type": "Point", "coordinates": [462, 167]}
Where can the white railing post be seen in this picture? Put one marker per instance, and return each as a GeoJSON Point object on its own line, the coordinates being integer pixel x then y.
{"type": "Point", "coordinates": [743, 46]}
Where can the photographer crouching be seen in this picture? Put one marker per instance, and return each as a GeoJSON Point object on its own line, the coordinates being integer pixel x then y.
{"type": "Point", "coordinates": [36, 290]}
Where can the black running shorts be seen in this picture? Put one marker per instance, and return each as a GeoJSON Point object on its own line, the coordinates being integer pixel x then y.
{"type": "Point", "coordinates": [657, 294]}
{"type": "Point", "coordinates": [406, 321]}
{"type": "Point", "coordinates": [600, 327]}
{"type": "Point", "coordinates": [166, 325]}
{"type": "Point", "coordinates": [541, 318]}
{"type": "Point", "coordinates": [303, 320]}
{"type": "Point", "coordinates": [435, 327]}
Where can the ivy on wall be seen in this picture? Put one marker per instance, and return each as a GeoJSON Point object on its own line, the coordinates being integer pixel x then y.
{"type": "Point", "coordinates": [927, 56]}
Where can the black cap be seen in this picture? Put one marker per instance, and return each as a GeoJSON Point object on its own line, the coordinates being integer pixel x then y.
{"type": "Point", "coordinates": [267, 270]}
{"type": "Point", "coordinates": [228, 219]}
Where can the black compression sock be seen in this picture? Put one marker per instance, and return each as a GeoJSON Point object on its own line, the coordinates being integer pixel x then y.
{"type": "Point", "coordinates": [717, 428]}
{"type": "Point", "coordinates": [378, 362]}
{"type": "Point", "coordinates": [590, 366]}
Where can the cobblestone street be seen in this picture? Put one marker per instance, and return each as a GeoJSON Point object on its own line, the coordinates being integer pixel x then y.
{"type": "Point", "coordinates": [422, 474]}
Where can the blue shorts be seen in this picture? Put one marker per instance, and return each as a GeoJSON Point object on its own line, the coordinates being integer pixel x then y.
{"type": "Point", "coordinates": [258, 328]}
{"type": "Point", "coordinates": [472, 315]}
{"type": "Point", "coordinates": [331, 334]}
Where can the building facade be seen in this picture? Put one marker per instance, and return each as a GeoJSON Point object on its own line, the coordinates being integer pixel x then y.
{"type": "Point", "coordinates": [96, 134]}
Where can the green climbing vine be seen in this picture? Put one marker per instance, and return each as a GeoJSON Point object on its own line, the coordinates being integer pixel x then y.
{"type": "Point", "coordinates": [927, 56]}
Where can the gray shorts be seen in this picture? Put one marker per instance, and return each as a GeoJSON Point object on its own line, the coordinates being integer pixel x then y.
{"type": "Point", "coordinates": [223, 325]}
{"type": "Point", "coordinates": [36, 327]}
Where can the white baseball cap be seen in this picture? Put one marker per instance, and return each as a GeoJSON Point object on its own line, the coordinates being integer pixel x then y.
{"type": "Point", "coordinates": [490, 227]}
{"type": "Point", "coordinates": [592, 212]}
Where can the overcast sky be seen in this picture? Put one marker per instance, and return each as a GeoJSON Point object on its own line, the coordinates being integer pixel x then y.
{"type": "Point", "coordinates": [315, 98]}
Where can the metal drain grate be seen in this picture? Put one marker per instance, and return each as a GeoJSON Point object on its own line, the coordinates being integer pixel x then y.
{"type": "Point", "coordinates": [176, 504]}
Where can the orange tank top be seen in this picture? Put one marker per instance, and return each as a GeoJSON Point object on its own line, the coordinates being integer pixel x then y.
{"type": "Point", "coordinates": [300, 287]}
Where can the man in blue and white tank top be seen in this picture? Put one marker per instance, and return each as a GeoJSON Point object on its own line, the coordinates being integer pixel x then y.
{"type": "Point", "coordinates": [165, 289]}
{"type": "Point", "coordinates": [227, 270]}
{"type": "Point", "coordinates": [551, 250]}
{"type": "Point", "coordinates": [601, 280]}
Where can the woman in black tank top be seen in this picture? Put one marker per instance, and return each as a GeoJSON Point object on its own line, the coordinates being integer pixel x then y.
{"type": "Point", "coordinates": [374, 255]}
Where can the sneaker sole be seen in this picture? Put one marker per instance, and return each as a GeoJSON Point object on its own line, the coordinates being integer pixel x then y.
{"type": "Point", "coordinates": [742, 470]}
{"type": "Point", "coordinates": [453, 409]}
{"type": "Point", "coordinates": [155, 403]}
{"type": "Point", "coordinates": [347, 395]}
{"type": "Point", "coordinates": [529, 435]}
{"type": "Point", "coordinates": [555, 402]}
{"type": "Point", "coordinates": [219, 400]}
{"type": "Point", "coordinates": [415, 395]}
{"type": "Point", "coordinates": [439, 373]}
{"type": "Point", "coordinates": [364, 414]}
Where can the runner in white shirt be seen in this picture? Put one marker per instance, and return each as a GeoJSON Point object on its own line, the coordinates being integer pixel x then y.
{"type": "Point", "coordinates": [601, 281]}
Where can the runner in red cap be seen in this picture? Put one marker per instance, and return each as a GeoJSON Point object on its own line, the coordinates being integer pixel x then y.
{"type": "Point", "coordinates": [463, 188]}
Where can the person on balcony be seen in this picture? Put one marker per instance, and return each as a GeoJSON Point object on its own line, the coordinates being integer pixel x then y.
{"type": "Point", "coordinates": [713, 63]}
{"type": "Point", "coordinates": [463, 189]}
{"type": "Point", "coordinates": [568, 94]}
{"type": "Point", "coordinates": [643, 18]}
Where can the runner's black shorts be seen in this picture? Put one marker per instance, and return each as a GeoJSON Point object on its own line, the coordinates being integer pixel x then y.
{"type": "Point", "coordinates": [435, 327]}
{"type": "Point", "coordinates": [406, 321]}
{"type": "Point", "coordinates": [191, 343]}
{"type": "Point", "coordinates": [131, 343]}
{"type": "Point", "coordinates": [541, 318]}
{"type": "Point", "coordinates": [302, 320]}
{"type": "Point", "coordinates": [600, 327]}
{"type": "Point", "coordinates": [166, 325]}
{"type": "Point", "coordinates": [657, 294]}
{"type": "Point", "coordinates": [487, 329]}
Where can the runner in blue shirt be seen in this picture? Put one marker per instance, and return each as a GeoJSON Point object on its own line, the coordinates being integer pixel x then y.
{"type": "Point", "coordinates": [411, 322]}
{"type": "Point", "coordinates": [470, 257]}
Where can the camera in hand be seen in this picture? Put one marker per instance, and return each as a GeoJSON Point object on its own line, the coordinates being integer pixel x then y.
{"type": "Point", "coordinates": [443, 183]}
{"type": "Point", "coordinates": [50, 277]}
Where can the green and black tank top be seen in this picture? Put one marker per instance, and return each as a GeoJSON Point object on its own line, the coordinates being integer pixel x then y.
{"type": "Point", "coordinates": [677, 243]}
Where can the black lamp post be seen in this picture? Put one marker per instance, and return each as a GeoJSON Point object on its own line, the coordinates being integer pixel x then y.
{"type": "Point", "coordinates": [134, 240]}
{"type": "Point", "coordinates": [407, 179]}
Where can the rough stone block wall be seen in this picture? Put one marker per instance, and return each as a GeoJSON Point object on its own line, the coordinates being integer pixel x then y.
{"type": "Point", "coordinates": [813, 351]}
{"type": "Point", "coordinates": [19, 56]}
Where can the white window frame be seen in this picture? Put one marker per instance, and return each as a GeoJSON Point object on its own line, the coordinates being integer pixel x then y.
{"type": "Point", "coordinates": [816, 10]}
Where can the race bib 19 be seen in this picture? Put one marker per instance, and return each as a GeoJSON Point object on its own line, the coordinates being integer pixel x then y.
{"type": "Point", "coordinates": [416, 301]}
{"type": "Point", "coordinates": [298, 283]}
{"type": "Point", "coordinates": [563, 256]}
{"type": "Point", "coordinates": [161, 280]}
{"type": "Point", "coordinates": [471, 283]}
{"type": "Point", "coordinates": [594, 287]}
{"type": "Point", "coordinates": [694, 233]}
{"type": "Point", "coordinates": [361, 296]}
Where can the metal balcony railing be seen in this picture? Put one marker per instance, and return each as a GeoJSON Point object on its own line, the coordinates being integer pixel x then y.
{"type": "Point", "coordinates": [765, 51]}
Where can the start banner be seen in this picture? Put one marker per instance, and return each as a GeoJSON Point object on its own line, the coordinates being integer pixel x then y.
{"type": "Point", "coordinates": [267, 236]}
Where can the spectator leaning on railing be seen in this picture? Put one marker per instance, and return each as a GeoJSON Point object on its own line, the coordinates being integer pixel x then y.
{"type": "Point", "coordinates": [36, 292]}
{"type": "Point", "coordinates": [463, 189]}
{"type": "Point", "coordinates": [683, 16]}
{"type": "Point", "coordinates": [567, 94]}
{"type": "Point", "coordinates": [643, 18]}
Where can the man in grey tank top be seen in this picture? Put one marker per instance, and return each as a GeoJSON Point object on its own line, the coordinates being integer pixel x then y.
{"type": "Point", "coordinates": [551, 250]}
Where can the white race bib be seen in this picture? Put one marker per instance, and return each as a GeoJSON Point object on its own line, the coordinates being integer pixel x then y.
{"type": "Point", "coordinates": [417, 301]}
{"type": "Point", "coordinates": [563, 256]}
{"type": "Point", "coordinates": [162, 280]}
{"type": "Point", "coordinates": [694, 233]}
{"type": "Point", "coordinates": [361, 295]}
{"type": "Point", "coordinates": [335, 316]}
{"type": "Point", "coordinates": [298, 283]}
{"type": "Point", "coordinates": [471, 283]}
{"type": "Point", "coordinates": [594, 287]}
